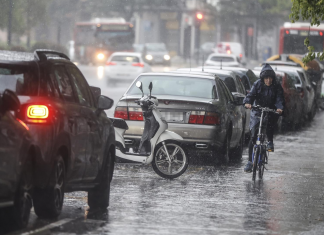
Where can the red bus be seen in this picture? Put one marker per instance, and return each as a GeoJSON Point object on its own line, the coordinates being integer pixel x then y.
{"type": "Point", "coordinates": [96, 40]}
{"type": "Point", "coordinates": [292, 36]}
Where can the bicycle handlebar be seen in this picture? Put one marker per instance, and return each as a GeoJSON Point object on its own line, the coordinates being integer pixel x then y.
{"type": "Point", "coordinates": [265, 109]}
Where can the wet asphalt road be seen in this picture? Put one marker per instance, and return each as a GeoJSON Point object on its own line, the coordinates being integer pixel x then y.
{"type": "Point", "coordinates": [209, 199]}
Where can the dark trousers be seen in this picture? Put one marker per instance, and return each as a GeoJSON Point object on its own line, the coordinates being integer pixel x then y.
{"type": "Point", "coordinates": [269, 131]}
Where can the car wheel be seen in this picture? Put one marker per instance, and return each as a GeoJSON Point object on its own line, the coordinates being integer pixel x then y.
{"type": "Point", "coordinates": [98, 198]}
{"type": "Point", "coordinates": [225, 156]}
{"type": "Point", "coordinates": [48, 201]}
{"type": "Point", "coordinates": [236, 154]}
{"type": "Point", "coordinates": [312, 113]}
{"type": "Point", "coordinates": [17, 216]}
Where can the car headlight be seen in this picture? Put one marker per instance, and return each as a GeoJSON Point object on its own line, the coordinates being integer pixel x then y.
{"type": "Point", "coordinates": [166, 57]}
{"type": "Point", "coordinates": [100, 56]}
{"type": "Point", "coordinates": [149, 57]}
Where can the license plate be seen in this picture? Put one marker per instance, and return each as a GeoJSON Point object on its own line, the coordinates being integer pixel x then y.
{"type": "Point", "coordinates": [173, 116]}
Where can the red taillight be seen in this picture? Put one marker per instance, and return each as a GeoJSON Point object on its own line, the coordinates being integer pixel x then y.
{"type": "Point", "coordinates": [121, 112]}
{"type": "Point", "coordinates": [37, 113]}
{"type": "Point", "coordinates": [196, 117]}
{"type": "Point", "coordinates": [110, 63]}
{"type": "Point", "coordinates": [212, 119]}
{"type": "Point", "coordinates": [241, 55]}
{"type": "Point", "coordinates": [23, 124]}
{"type": "Point", "coordinates": [138, 65]}
{"type": "Point", "coordinates": [135, 114]}
{"type": "Point", "coordinates": [202, 117]}
{"type": "Point", "coordinates": [321, 33]}
{"type": "Point", "coordinates": [287, 31]}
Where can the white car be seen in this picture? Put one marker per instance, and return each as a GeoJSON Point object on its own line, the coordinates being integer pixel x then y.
{"type": "Point", "coordinates": [232, 48]}
{"type": "Point", "coordinates": [222, 60]}
{"type": "Point", "coordinates": [125, 67]}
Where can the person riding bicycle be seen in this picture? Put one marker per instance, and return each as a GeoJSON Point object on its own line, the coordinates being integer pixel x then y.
{"type": "Point", "coordinates": [266, 92]}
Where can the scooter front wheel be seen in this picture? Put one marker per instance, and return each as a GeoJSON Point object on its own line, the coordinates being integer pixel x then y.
{"type": "Point", "coordinates": [170, 160]}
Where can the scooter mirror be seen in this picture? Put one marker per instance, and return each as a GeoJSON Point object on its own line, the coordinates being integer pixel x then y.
{"type": "Point", "coordinates": [150, 88]}
{"type": "Point", "coordinates": [139, 84]}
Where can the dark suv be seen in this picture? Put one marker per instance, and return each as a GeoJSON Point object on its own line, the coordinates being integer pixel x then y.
{"type": "Point", "coordinates": [66, 118]}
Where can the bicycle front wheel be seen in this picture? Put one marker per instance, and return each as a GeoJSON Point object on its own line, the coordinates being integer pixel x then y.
{"type": "Point", "coordinates": [261, 167]}
{"type": "Point", "coordinates": [255, 162]}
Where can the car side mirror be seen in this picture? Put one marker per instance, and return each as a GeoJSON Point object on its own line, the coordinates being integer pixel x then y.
{"type": "Point", "coordinates": [105, 102]}
{"type": "Point", "coordinates": [96, 91]}
{"type": "Point", "coordinates": [9, 101]}
{"type": "Point", "coordinates": [238, 100]}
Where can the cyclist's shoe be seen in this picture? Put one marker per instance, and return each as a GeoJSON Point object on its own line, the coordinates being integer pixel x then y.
{"type": "Point", "coordinates": [270, 146]}
{"type": "Point", "coordinates": [248, 167]}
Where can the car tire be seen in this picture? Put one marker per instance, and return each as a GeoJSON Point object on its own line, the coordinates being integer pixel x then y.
{"type": "Point", "coordinates": [312, 113]}
{"type": "Point", "coordinates": [236, 153]}
{"type": "Point", "coordinates": [98, 198]}
{"type": "Point", "coordinates": [17, 216]}
{"type": "Point", "coordinates": [48, 201]}
{"type": "Point", "coordinates": [225, 156]}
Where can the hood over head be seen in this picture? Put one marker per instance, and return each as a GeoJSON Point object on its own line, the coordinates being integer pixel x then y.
{"type": "Point", "coordinates": [267, 71]}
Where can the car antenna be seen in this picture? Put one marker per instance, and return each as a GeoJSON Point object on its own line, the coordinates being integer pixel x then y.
{"type": "Point", "coordinates": [202, 68]}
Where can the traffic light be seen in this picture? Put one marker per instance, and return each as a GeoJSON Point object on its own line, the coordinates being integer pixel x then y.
{"type": "Point", "coordinates": [199, 18]}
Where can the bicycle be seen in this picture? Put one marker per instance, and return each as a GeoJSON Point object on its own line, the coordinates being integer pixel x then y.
{"type": "Point", "coordinates": [259, 149]}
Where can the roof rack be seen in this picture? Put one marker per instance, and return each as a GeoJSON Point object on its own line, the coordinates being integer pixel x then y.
{"type": "Point", "coordinates": [40, 54]}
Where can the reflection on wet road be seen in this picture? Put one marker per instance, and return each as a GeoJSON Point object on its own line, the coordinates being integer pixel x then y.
{"type": "Point", "coordinates": [208, 199]}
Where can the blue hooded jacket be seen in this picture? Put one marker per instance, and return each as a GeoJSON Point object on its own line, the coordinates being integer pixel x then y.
{"type": "Point", "coordinates": [265, 96]}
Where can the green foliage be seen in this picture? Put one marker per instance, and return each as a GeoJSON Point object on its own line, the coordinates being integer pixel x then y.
{"type": "Point", "coordinates": [313, 11]}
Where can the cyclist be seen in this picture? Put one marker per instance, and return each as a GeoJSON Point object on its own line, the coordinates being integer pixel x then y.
{"type": "Point", "coordinates": [266, 92]}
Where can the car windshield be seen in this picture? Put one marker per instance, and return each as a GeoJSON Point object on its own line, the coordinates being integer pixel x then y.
{"type": "Point", "coordinates": [176, 86]}
{"type": "Point", "coordinates": [155, 47]}
{"type": "Point", "coordinates": [20, 79]}
{"type": "Point", "coordinates": [222, 58]}
{"type": "Point", "coordinates": [125, 58]}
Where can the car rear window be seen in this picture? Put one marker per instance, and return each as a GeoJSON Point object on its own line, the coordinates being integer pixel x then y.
{"type": "Point", "coordinates": [222, 58]}
{"type": "Point", "coordinates": [21, 79]}
{"type": "Point", "coordinates": [125, 58]}
{"type": "Point", "coordinates": [176, 86]}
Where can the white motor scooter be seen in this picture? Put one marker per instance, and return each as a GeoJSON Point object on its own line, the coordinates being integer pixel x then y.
{"type": "Point", "coordinates": [158, 145]}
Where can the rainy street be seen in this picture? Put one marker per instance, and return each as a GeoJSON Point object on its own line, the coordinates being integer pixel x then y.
{"type": "Point", "coordinates": [207, 199]}
{"type": "Point", "coordinates": [135, 117]}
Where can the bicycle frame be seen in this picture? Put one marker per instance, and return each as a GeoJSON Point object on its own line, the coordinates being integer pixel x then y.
{"type": "Point", "coordinates": [260, 139]}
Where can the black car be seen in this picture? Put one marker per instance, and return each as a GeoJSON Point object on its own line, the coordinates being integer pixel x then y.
{"type": "Point", "coordinates": [16, 152]}
{"type": "Point", "coordinates": [66, 118]}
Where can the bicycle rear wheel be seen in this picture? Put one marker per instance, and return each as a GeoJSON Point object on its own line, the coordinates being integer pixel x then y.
{"type": "Point", "coordinates": [261, 167]}
{"type": "Point", "coordinates": [255, 162]}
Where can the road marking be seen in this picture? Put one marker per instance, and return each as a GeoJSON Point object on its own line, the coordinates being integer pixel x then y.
{"type": "Point", "coordinates": [49, 226]}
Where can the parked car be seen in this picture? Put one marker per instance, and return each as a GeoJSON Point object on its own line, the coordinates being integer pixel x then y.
{"type": "Point", "coordinates": [66, 118]}
{"type": "Point", "coordinates": [221, 60]}
{"type": "Point", "coordinates": [125, 67]}
{"type": "Point", "coordinates": [231, 48]}
{"type": "Point", "coordinates": [293, 113]}
{"type": "Point", "coordinates": [197, 106]}
{"type": "Point", "coordinates": [156, 53]}
{"type": "Point", "coordinates": [233, 82]}
{"type": "Point", "coordinates": [305, 89]}
{"type": "Point", "coordinates": [16, 168]}
{"type": "Point", "coordinates": [246, 75]}
{"type": "Point", "coordinates": [314, 69]}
